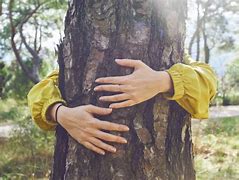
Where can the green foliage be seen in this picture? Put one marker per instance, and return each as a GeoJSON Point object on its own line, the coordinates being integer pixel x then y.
{"type": "Point", "coordinates": [228, 126]}
{"type": "Point", "coordinates": [17, 85]}
{"type": "Point", "coordinates": [229, 84]}
{"type": "Point", "coordinates": [216, 149]}
{"type": "Point", "coordinates": [41, 29]}
{"type": "Point", "coordinates": [28, 153]}
{"type": "Point", "coordinates": [11, 110]}
{"type": "Point", "coordinates": [233, 74]}
{"type": "Point", "coordinates": [231, 100]}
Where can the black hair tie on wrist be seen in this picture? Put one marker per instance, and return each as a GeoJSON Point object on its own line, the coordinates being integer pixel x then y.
{"type": "Point", "coordinates": [57, 112]}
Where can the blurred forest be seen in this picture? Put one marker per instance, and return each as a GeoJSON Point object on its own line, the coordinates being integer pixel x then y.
{"type": "Point", "coordinates": [29, 33]}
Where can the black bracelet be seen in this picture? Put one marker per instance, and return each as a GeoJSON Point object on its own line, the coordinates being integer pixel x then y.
{"type": "Point", "coordinates": [57, 112]}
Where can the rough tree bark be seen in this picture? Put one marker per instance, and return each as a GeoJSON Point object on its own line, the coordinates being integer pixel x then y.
{"type": "Point", "coordinates": [97, 32]}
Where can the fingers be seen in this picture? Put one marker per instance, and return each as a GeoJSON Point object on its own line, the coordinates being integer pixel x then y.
{"type": "Point", "coordinates": [121, 79]}
{"type": "Point", "coordinates": [112, 80]}
{"type": "Point", "coordinates": [92, 147]}
{"type": "Point", "coordinates": [102, 145]}
{"type": "Point", "coordinates": [129, 63]}
{"type": "Point", "coordinates": [98, 110]}
{"type": "Point", "coordinates": [115, 98]}
{"type": "Point", "coordinates": [109, 137]}
{"type": "Point", "coordinates": [122, 104]}
{"type": "Point", "coordinates": [105, 125]}
{"type": "Point", "coordinates": [110, 88]}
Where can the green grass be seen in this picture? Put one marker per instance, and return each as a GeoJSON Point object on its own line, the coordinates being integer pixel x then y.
{"type": "Point", "coordinates": [8, 110]}
{"type": "Point", "coordinates": [216, 146]}
{"type": "Point", "coordinates": [28, 153]}
{"type": "Point", "coordinates": [18, 162]}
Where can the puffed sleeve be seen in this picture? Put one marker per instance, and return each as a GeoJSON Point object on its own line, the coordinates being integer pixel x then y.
{"type": "Point", "coordinates": [195, 85]}
{"type": "Point", "coordinates": [41, 97]}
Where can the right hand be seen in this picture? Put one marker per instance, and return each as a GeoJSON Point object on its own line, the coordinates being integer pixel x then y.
{"type": "Point", "coordinates": [80, 123]}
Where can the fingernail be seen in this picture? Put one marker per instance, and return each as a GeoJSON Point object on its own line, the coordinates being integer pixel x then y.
{"type": "Point", "coordinates": [113, 149]}
{"type": "Point", "coordinates": [127, 128]}
{"type": "Point", "coordinates": [95, 89]}
{"type": "Point", "coordinates": [111, 106]}
{"type": "Point", "coordinates": [101, 98]}
{"type": "Point", "coordinates": [125, 141]}
{"type": "Point", "coordinates": [97, 80]}
{"type": "Point", "coordinates": [103, 153]}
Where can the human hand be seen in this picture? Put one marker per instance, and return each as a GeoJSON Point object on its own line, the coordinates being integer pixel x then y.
{"type": "Point", "coordinates": [143, 84]}
{"type": "Point", "coordinates": [80, 123]}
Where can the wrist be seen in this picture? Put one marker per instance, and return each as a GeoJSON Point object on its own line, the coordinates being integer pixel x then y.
{"type": "Point", "coordinates": [165, 82]}
{"type": "Point", "coordinates": [60, 112]}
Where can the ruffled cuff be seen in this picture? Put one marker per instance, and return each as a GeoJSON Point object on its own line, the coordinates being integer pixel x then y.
{"type": "Point", "coordinates": [178, 84]}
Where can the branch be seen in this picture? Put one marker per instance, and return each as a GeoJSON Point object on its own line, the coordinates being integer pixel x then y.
{"type": "Point", "coordinates": [36, 35]}
{"type": "Point", "coordinates": [200, 21]}
{"type": "Point", "coordinates": [14, 47]}
{"type": "Point", "coordinates": [40, 41]}
{"type": "Point", "coordinates": [34, 54]}
{"type": "Point", "coordinates": [30, 14]}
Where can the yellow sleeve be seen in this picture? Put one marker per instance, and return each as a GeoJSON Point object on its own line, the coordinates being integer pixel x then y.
{"type": "Point", "coordinates": [41, 97]}
{"type": "Point", "coordinates": [195, 85]}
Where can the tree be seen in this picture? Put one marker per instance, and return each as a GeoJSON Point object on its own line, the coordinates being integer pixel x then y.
{"type": "Point", "coordinates": [212, 26]}
{"type": "Point", "coordinates": [25, 25]}
{"type": "Point", "coordinates": [229, 82]}
{"type": "Point", "coordinates": [2, 78]}
{"type": "Point", "coordinates": [96, 33]}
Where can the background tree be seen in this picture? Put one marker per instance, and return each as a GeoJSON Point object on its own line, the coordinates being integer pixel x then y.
{"type": "Point", "coordinates": [27, 25]}
{"type": "Point", "coordinates": [2, 77]}
{"type": "Point", "coordinates": [229, 84]}
{"type": "Point", "coordinates": [96, 33]}
{"type": "Point", "coordinates": [212, 27]}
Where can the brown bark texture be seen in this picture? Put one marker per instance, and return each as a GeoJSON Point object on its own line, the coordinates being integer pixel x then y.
{"type": "Point", "coordinates": [96, 33]}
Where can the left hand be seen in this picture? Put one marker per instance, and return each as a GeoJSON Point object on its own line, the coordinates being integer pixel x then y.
{"type": "Point", "coordinates": [143, 84]}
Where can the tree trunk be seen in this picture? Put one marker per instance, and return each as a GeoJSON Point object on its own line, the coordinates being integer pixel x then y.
{"type": "Point", "coordinates": [204, 34]}
{"type": "Point", "coordinates": [97, 32]}
{"type": "Point", "coordinates": [2, 78]}
{"type": "Point", "coordinates": [206, 48]}
{"type": "Point", "coordinates": [198, 32]}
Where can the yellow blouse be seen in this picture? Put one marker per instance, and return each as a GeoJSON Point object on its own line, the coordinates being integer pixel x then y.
{"type": "Point", "coordinates": [195, 86]}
